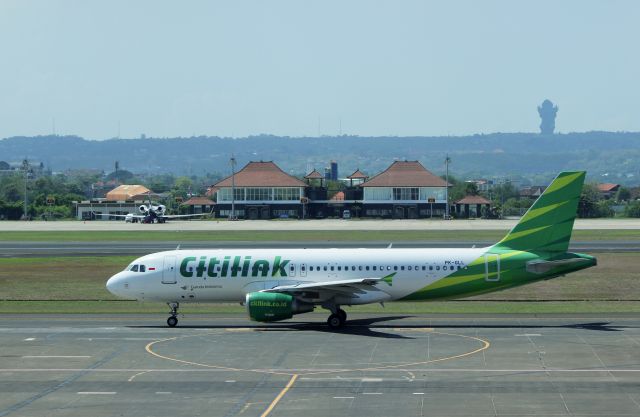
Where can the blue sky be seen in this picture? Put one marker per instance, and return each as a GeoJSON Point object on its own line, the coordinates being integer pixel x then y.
{"type": "Point", "coordinates": [238, 68]}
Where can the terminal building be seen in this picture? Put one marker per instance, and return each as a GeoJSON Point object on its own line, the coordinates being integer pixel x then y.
{"type": "Point", "coordinates": [260, 190]}
{"type": "Point", "coordinates": [405, 190]}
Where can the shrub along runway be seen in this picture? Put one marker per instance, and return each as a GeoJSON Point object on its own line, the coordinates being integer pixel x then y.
{"type": "Point", "coordinates": [377, 366]}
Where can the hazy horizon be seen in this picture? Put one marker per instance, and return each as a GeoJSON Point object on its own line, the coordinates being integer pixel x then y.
{"type": "Point", "coordinates": [236, 69]}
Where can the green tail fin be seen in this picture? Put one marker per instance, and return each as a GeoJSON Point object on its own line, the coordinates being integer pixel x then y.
{"type": "Point", "coordinates": [547, 225]}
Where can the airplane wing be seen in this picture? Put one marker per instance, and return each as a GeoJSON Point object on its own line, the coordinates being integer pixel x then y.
{"type": "Point", "coordinates": [136, 216]}
{"type": "Point", "coordinates": [178, 216]}
{"type": "Point", "coordinates": [345, 286]}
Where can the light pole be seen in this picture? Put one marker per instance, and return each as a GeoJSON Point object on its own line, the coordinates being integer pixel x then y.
{"type": "Point", "coordinates": [447, 160]}
{"type": "Point", "coordinates": [233, 188]}
{"type": "Point", "coordinates": [25, 169]}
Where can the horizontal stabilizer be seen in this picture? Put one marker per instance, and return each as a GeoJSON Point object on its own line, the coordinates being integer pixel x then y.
{"type": "Point", "coordinates": [542, 267]}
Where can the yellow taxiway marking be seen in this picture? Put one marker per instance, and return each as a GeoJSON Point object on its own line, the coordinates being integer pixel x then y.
{"type": "Point", "coordinates": [280, 395]}
{"type": "Point", "coordinates": [149, 350]}
{"type": "Point", "coordinates": [294, 376]}
{"type": "Point", "coordinates": [485, 346]}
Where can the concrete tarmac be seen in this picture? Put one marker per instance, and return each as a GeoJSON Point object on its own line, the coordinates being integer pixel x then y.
{"type": "Point", "coordinates": [224, 365]}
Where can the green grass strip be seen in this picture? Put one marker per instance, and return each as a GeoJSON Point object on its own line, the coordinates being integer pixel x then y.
{"type": "Point", "coordinates": [296, 235]}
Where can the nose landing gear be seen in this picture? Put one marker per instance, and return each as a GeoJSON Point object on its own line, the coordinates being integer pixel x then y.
{"type": "Point", "coordinates": [173, 320]}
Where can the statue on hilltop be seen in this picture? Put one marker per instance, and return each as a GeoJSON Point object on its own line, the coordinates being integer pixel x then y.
{"type": "Point", "coordinates": [547, 112]}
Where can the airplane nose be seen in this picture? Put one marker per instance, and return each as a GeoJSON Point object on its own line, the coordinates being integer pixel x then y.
{"type": "Point", "coordinates": [114, 285]}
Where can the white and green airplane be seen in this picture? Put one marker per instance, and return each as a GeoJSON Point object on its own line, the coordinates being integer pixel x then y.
{"type": "Point", "coordinates": [275, 284]}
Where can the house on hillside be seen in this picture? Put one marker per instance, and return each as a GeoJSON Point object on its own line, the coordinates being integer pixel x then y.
{"type": "Point", "coordinates": [608, 190]}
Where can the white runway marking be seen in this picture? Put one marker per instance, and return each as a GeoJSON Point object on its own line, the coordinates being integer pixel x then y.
{"type": "Point", "coordinates": [371, 393]}
{"type": "Point", "coordinates": [529, 335]}
{"type": "Point", "coordinates": [344, 398]}
{"type": "Point", "coordinates": [401, 370]}
{"type": "Point", "coordinates": [144, 339]}
{"type": "Point", "coordinates": [53, 356]}
{"type": "Point", "coordinates": [371, 379]}
{"type": "Point", "coordinates": [29, 339]}
{"type": "Point", "coordinates": [163, 392]}
{"type": "Point", "coordinates": [97, 393]}
{"type": "Point", "coordinates": [418, 393]}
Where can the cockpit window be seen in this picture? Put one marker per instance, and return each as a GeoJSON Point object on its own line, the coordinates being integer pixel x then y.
{"type": "Point", "coordinates": [134, 268]}
{"type": "Point", "coordinates": [142, 268]}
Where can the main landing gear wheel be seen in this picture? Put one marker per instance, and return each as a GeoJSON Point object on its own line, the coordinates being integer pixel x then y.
{"type": "Point", "coordinates": [342, 314]}
{"type": "Point", "coordinates": [335, 321]}
{"type": "Point", "coordinates": [172, 321]}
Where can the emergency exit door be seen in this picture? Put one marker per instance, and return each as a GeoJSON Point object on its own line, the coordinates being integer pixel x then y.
{"type": "Point", "coordinates": [169, 270]}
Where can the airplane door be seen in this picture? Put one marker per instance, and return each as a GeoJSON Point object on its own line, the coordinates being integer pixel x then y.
{"type": "Point", "coordinates": [491, 267]}
{"type": "Point", "coordinates": [169, 270]}
{"type": "Point", "coordinates": [303, 270]}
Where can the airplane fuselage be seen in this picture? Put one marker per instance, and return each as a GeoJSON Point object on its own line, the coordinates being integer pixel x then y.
{"type": "Point", "coordinates": [228, 275]}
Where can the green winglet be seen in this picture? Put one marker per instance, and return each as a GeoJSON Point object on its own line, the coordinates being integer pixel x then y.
{"type": "Point", "coordinates": [547, 225]}
{"type": "Point", "coordinates": [389, 279]}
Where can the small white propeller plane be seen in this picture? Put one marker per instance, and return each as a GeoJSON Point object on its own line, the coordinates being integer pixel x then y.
{"type": "Point", "coordinates": [275, 284]}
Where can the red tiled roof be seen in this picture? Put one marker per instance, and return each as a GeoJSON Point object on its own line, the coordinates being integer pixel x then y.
{"type": "Point", "coordinates": [261, 174]}
{"type": "Point", "coordinates": [198, 201]}
{"type": "Point", "coordinates": [358, 174]}
{"type": "Point", "coordinates": [405, 174]}
{"type": "Point", "coordinates": [339, 196]}
{"type": "Point", "coordinates": [314, 175]}
{"type": "Point", "coordinates": [473, 199]}
{"type": "Point", "coordinates": [607, 187]}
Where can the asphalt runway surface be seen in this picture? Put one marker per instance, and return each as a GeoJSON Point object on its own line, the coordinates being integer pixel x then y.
{"type": "Point", "coordinates": [323, 224]}
{"type": "Point", "coordinates": [224, 365]}
{"type": "Point", "coordinates": [39, 249]}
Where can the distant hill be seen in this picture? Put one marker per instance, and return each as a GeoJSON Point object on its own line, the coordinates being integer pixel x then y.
{"type": "Point", "coordinates": [532, 158]}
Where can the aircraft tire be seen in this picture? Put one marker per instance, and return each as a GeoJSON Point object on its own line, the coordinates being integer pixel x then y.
{"type": "Point", "coordinates": [343, 315]}
{"type": "Point", "coordinates": [335, 321]}
{"type": "Point", "coordinates": [172, 321]}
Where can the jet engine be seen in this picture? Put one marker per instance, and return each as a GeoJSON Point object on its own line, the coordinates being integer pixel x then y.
{"type": "Point", "coordinates": [271, 306]}
{"type": "Point", "coordinates": [161, 209]}
{"type": "Point", "coordinates": [143, 209]}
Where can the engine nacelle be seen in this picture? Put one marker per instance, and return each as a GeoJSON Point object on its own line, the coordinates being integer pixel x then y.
{"type": "Point", "coordinates": [161, 209]}
{"type": "Point", "coordinates": [273, 306]}
{"type": "Point", "coordinates": [143, 209]}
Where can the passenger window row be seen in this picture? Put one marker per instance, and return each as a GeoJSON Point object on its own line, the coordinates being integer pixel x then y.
{"type": "Point", "coordinates": [383, 267]}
